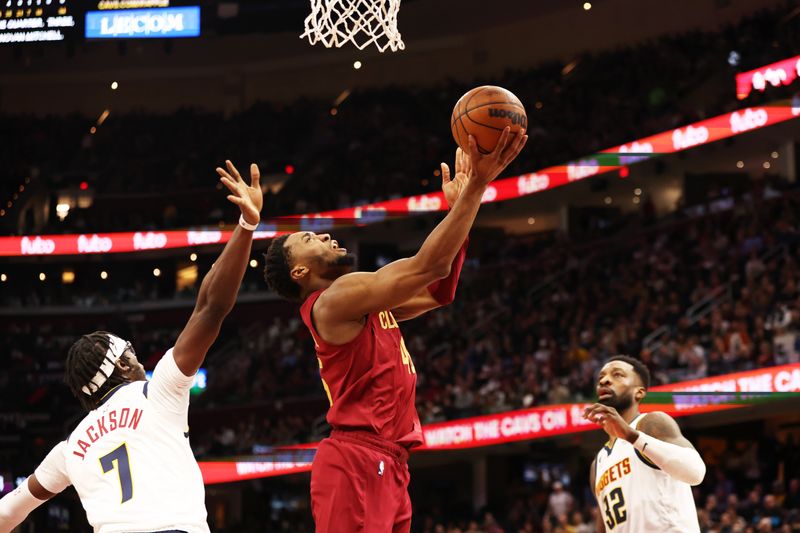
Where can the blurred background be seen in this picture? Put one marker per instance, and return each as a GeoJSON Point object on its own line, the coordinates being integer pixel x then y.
{"type": "Point", "coordinates": [681, 249]}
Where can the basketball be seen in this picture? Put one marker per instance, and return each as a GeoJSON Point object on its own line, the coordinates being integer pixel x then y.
{"type": "Point", "coordinates": [484, 112]}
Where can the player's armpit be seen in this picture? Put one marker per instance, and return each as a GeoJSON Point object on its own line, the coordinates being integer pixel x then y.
{"type": "Point", "coordinates": [663, 427]}
{"type": "Point", "coordinates": [354, 295]}
{"type": "Point", "coordinates": [420, 303]}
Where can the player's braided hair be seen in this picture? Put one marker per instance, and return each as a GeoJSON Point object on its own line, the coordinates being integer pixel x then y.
{"type": "Point", "coordinates": [278, 268]}
{"type": "Point", "coordinates": [640, 368]}
{"type": "Point", "coordinates": [83, 361]}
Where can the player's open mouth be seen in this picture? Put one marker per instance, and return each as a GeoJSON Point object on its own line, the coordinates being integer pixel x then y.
{"type": "Point", "coordinates": [604, 393]}
{"type": "Point", "coordinates": [335, 246]}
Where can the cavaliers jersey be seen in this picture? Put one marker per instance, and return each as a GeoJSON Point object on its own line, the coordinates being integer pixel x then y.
{"type": "Point", "coordinates": [635, 496]}
{"type": "Point", "coordinates": [130, 460]}
{"type": "Point", "coordinates": [370, 381]}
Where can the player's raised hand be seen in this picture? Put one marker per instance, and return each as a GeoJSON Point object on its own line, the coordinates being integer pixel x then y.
{"type": "Point", "coordinates": [610, 420]}
{"type": "Point", "coordinates": [249, 198]}
{"type": "Point", "coordinates": [452, 188]}
{"type": "Point", "coordinates": [487, 167]}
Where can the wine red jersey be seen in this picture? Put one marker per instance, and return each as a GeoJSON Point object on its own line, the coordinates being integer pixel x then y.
{"type": "Point", "coordinates": [370, 381]}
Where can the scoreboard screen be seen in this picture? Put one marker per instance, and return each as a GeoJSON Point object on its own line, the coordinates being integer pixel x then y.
{"type": "Point", "coordinates": [29, 21]}
{"type": "Point", "coordinates": [144, 23]}
{"type": "Point", "coordinates": [36, 21]}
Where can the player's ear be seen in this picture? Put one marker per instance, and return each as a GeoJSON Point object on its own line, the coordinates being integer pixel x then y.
{"type": "Point", "coordinates": [122, 364]}
{"type": "Point", "coordinates": [299, 273]}
{"type": "Point", "coordinates": [640, 393]}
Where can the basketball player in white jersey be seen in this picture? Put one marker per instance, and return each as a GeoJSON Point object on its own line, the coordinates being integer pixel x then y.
{"type": "Point", "coordinates": [129, 458]}
{"type": "Point", "coordinates": [643, 476]}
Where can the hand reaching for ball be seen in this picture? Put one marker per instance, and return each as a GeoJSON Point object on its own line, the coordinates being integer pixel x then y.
{"type": "Point", "coordinates": [485, 168]}
{"type": "Point", "coordinates": [250, 198]}
{"type": "Point", "coordinates": [452, 188]}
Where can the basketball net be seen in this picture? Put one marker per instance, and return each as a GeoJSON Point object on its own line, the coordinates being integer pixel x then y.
{"type": "Point", "coordinates": [362, 22]}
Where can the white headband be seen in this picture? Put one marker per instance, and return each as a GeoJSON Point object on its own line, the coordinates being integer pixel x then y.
{"type": "Point", "coordinates": [116, 347]}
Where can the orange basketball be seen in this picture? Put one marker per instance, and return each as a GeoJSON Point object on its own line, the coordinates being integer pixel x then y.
{"type": "Point", "coordinates": [484, 112]}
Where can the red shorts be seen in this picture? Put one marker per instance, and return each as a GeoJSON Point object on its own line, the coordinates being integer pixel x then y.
{"type": "Point", "coordinates": [359, 483]}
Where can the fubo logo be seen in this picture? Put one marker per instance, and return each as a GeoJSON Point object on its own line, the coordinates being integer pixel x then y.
{"type": "Point", "coordinates": [749, 119]}
{"type": "Point", "coordinates": [203, 237]}
{"type": "Point", "coordinates": [691, 136]}
{"type": "Point", "coordinates": [424, 203]}
{"type": "Point", "coordinates": [37, 246]}
{"type": "Point", "coordinates": [531, 183]}
{"type": "Point", "coordinates": [582, 169]}
{"type": "Point", "coordinates": [94, 244]}
{"type": "Point", "coordinates": [149, 241]}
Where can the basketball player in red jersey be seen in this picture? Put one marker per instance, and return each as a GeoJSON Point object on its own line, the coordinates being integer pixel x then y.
{"type": "Point", "coordinates": [359, 477]}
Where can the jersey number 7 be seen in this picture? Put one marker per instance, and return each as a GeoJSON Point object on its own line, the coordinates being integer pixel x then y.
{"type": "Point", "coordinates": [123, 466]}
{"type": "Point", "coordinates": [615, 513]}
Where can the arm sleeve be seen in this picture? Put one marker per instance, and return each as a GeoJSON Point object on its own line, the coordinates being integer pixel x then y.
{"type": "Point", "coordinates": [169, 387]}
{"type": "Point", "coordinates": [16, 506]}
{"type": "Point", "coordinates": [52, 472]}
{"type": "Point", "coordinates": [683, 464]}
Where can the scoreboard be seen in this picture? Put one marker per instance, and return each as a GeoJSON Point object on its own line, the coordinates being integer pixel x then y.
{"type": "Point", "coordinates": [31, 21]}
{"type": "Point", "coordinates": [26, 21]}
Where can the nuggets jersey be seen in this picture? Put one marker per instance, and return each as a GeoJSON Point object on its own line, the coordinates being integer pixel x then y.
{"type": "Point", "coordinates": [370, 381]}
{"type": "Point", "coordinates": [635, 496]}
{"type": "Point", "coordinates": [130, 459]}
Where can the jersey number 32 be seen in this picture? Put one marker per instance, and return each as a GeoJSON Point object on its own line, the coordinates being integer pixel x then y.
{"type": "Point", "coordinates": [615, 509]}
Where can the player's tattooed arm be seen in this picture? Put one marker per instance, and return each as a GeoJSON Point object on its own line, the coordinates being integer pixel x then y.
{"type": "Point", "coordinates": [218, 291]}
{"type": "Point", "coordinates": [663, 427]}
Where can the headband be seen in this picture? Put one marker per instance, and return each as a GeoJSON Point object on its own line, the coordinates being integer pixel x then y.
{"type": "Point", "coordinates": [116, 347]}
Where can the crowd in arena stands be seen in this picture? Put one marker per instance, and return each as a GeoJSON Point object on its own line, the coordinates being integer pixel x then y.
{"type": "Point", "coordinates": [373, 148]}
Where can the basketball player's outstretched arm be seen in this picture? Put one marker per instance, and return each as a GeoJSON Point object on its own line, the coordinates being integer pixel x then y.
{"type": "Point", "coordinates": [354, 295]}
{"type": "Point", "coordinates": [442, 292]}
{"type": "Point", "coordinates": [218, 291]}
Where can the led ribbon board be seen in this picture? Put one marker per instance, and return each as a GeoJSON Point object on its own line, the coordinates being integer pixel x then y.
{"type": "Point", "coordinates": [668, 142]}
{"type": "Point", "coordinates": [707, 395]}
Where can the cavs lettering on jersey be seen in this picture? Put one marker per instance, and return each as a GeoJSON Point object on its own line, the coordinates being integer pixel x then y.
{"type": "Point", "coordinates": [635, 496]}
{"type": "Point", "coordinates": [130, 459]}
